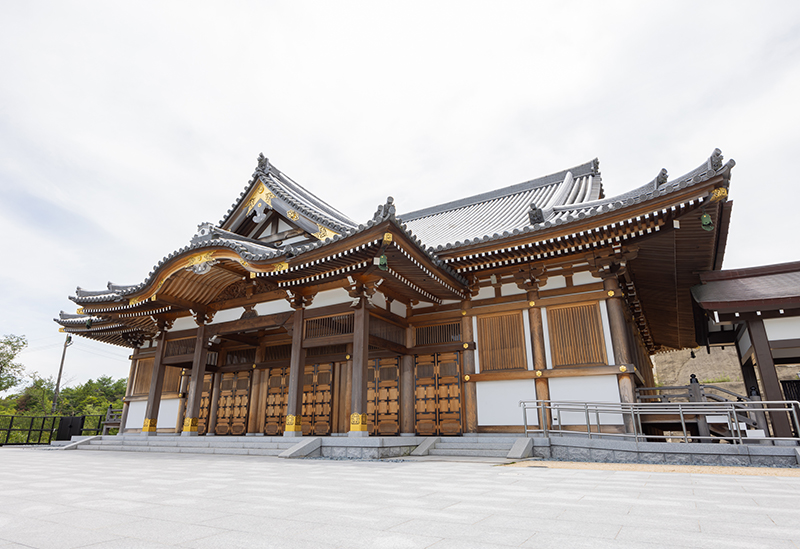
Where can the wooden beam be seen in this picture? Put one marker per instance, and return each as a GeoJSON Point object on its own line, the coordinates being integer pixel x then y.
{"type": "Point", "coordinates": [443, 347]}
{"type": "Point", "coordinates": [376, 341]}
{"type": "Point", "coordinates": [249, 324]}
{"type": "Point", "coordinates": [328, 340]}
{"type": "Point", "coordinates": [559, 372]}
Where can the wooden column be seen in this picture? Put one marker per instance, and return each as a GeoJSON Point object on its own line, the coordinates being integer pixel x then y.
{"type": "Point", "coordinates": [196, 383]}
{"type": "Point", "coordinates": [294, 407]}
{"type": "Point", "coordinates": [347, 391]}
{"type": "Point", "coordinates": [470, 389]}
{"type": "Point", "coordinates": [621, 344]}
{"type": "Point", "coordinates": [182, 389]}
{"type": "Point", "coordinates": [539, 353]}
{"type": "Point", "coordinates": [214, 400]}
{"type": "Point", "coordinates": [156, 384]}
{"type": "Point", "coordinates": [407, 388]}
{"type": "Point", "coordinates": [125, 404]}
{"type": "Point", "coordinates": [254, 402]}
{"type": "Point", "coordinates": [358, 407]}
{"type": "Point", "coordinates": [769, 376]}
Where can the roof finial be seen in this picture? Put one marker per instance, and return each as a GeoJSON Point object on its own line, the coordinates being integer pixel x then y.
{"type": "Point", "coordinates": [263, 163]}
{"type": "Point", "coordinates": [535, 214]}
{"type": "Point", "coordinates": [715, 162]}
{"type": "Point", "coordinates": [661, 179]}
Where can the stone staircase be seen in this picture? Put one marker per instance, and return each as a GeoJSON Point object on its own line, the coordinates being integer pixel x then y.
{"type": "Point", "coordinates": [231, 445]}
{"type": "Point", "coordinates": [473, 446]}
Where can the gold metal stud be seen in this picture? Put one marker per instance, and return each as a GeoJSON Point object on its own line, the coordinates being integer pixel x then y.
{"type": "Point", "coordinates": [466, 377]}
{"type": "Point", "coordinates": [347, 357]}
{"type": "Point", "coordinates": [531, 303]}
{"type": "Point", "coordinates": [610, 293]}
{"type": "Point", "coordinates": [538, 373]}
{"type": "Point", "coordinates": [623, 369]}
{"type": "Point", "coordinates": [466, 345]}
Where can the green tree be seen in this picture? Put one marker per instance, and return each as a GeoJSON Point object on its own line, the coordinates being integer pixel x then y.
{"type": "Point", "coordinates": [11, 372]}
{"type": "Point", "coordinates": [37, 397]}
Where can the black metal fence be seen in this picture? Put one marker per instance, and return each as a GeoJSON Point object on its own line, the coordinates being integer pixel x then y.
{"type": "Point", "coordinates": [21, 430]}
{"type": "Point", "coordinates": [791, 389]}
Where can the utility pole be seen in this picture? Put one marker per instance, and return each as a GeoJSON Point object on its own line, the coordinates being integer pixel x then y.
{"type": "Point", "coordinates": [67, 343]}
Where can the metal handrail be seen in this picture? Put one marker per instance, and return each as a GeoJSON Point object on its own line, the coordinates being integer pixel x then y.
{"type": "Point", "coordinates": [734, 413]}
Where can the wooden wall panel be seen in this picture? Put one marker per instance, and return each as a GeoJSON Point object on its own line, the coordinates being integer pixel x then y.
{"type": "Point", "coordinates": [144, 371]}
{"type": "Point", "coordinates": [576, 335]}
{"type": "Point", "coordinates": [501, 342]}
{"type": "Point", "coordinates": [172, 379]}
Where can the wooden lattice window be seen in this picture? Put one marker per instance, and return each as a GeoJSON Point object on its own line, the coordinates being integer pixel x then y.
{"type": "Point", "coordinates": [277, 352]}
{"type": "Point", "coordinates": [576, 335]}
{"type": "Point", "coordinates": [386, 330]}
{"type": "Point", "coordinates": [144, 371]}
{"type": "Point", "coordinates": [241, 356]}
{"type": "Point", "coordinates": [441, 333]}
{"type": "Point", "coordinates": [177, 347]}
{"type": "Point", "coordinates": [501, 342]}
{"type": "Point", "coordinates": [329, 326]}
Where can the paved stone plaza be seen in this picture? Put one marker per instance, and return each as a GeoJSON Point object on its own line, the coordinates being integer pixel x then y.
{"type": "Point", "coordinates": [68, 499]}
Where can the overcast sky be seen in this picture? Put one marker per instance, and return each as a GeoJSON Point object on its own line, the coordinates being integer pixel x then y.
{"type": "Point", "coordinates": [125, 125]}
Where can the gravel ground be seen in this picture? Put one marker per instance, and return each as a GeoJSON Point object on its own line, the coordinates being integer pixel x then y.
{"type": "Point", "coordinates": [656, 468]}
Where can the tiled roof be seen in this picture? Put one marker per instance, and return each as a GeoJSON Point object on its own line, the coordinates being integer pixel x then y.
{"type": "Point", "coordinates": [294, 194]}
{"type": "Point", "coordinates": [503, 210]}
{"type": "Point", "coordinates": [774, 282]}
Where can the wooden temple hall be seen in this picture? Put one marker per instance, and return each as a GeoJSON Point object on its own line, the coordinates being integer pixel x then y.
{"type": "Point", "coordinates": [289, 318]}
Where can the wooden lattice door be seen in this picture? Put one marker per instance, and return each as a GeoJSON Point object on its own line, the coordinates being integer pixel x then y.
{"type": "Point", "coordinates": [233, 401]}
{"type": "Point", "coordinates": [317, 385]}
{"type": "Point", "coordinates": [383, 379]}
{"type": "Point", "coordinates": [277, 384]}
{"type": "Point", "coordinates": [437, 381]}
{"type": "Point", "coordinates": [205, 404]}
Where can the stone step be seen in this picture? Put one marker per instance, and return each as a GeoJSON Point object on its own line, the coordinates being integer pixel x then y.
{"type": "Point", "coordinates": [474, 446]}
{"type": "Point", "coordinates": [183, 450]}
{"type": "Point", "coordinates": [467, 452]}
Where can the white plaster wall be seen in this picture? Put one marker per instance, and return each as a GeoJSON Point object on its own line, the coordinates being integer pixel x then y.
{"type": "Point", "coordinates": [498, 401]}
{"type": "Point", "coordinates": [782, 328]}
{"type": "Point", "coordinates": [485, 293]}
{"type": "Point", "coordinates": [272, 307]}
{"type": "Point", "coordinates": [526, 327]}
{"type": "Point", "coordinates": [744, 343]}
{"type": "Point", "coordinates": [136, 411]}
{"type": "Point", "coordinates": [607, 332]}
{"type": "Point", "coordinates": [398, 308]}
{"type": "Point", "coordinates": [449, 301]}
{"type": "Point", "coordinates": [512, 289]}
{"type": "Point", "coordinates": [168, 413]}
{"type": "Point", "coordinates": [554, 282]}
{"type": "Point", "coordinates": [378, 299]}
{"type": "Point", "coordinates": [546, 332]}
{"type": "Point", "coordinates": [227, 315]}
{"type": "Point", "coordinates": [331, 297]}
{"type": "Point", "coordinates": [584, 277]}
{"type": "Point", "coordinates": [586, 389]}
{"type": "Point", "coordinates": [184, 323]}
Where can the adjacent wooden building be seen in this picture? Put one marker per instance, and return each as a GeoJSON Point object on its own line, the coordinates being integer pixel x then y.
{"type": "Point", "coordinates": [287, 317]}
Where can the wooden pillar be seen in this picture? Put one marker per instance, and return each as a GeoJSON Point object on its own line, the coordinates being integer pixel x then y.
{"type": "Point", "coordinates": [621, 344]}
{"type": "Point", "coordinates": [539, 354]}
{"type": "Point", "coordinates": [156, 385]}
{"type": "Point", "coordinates": [125, 404]}
{"type": "Point", "coordinates": [182, 388]}
{"type": "Point", "coordinates": [254, 401]}
{"type": "Point", "coordinates": [214, 400]}
{"type": "Point", "coordinates": [358, 407]}
{"type": "Point", "coordinates": [294, 407]}
{"type": "Point", "coordinates": [347, 391]}
{"type": "Point", "coordinates": [196, 383]}
{"type": "Point", "coordinates": [468, 362]}
{"type": "Point", "coordinates": [407, 388]}
{"type": "Point", "coordinates": [769, 376]}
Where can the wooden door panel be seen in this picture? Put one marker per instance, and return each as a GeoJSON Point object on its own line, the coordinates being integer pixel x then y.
{"type": "Point", "coordinates": [275, 413]}
{"type": "Point", "coordinates": [232, 403]}
{"type": "Point", "coordinates": [205, 404]}
{"type": "Point", "coordinates": [438, 394]}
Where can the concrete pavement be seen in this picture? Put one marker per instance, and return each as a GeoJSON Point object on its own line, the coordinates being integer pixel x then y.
{"type": "Point", "coordinates": [65, 500]}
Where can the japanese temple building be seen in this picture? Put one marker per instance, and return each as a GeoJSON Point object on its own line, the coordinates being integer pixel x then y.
{"type": "Point", "coordinates": [287, 317]}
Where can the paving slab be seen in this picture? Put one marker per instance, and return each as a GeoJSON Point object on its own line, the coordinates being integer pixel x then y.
{"type": "Point", "coordinates": [152, 500]}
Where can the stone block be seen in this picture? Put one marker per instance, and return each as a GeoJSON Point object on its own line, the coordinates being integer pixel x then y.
{"type": "Point", "coordinates": [706, 458]}
{"type": "Point", "coordinates": [523, 448]}
{"type": "Point", "coordinates": [762, 461]}
{"type": "Point", "coordinates": [370, 453]}
{"type": "Point", "coordinates": [579, 454]}
{"type": "Point", "coordinates": [559, 452]}
{"type": "Point", "coordinates": [425, 446]}
{"type": "Point", "coordinates": [622, 456]}
{"type": "Point", "coordinates": [353, 453]}
{"type": "Point", "coordinates": [652, 457]}
{"type": "Point", "coordinates": [304, 448]}
{"type": "Point", "coordinates": [542, 452]}
{"type": "Point", "coordinates": [678, 459]}
{"type": "Point", "coordinates": [601, 456]}
{"type": "Point", "coordinates": [735, 461]}
{"type": "Point", "coordinates": [339, 452]}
